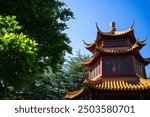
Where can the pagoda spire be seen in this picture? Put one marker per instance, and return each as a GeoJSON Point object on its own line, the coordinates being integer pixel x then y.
{"type": "Point", "coordinates": [112, 26]}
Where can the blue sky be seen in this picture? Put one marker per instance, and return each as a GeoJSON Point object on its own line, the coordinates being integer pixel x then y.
{"type": "Point", "coordinates": [88, 12]}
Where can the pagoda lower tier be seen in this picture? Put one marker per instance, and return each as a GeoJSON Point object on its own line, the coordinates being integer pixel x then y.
{"type": "Point", "coordinates": [113, 89]}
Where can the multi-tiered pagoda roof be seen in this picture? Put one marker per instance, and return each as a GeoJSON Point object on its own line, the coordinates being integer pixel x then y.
{"type": "Point", "coordinates": [115, 65]}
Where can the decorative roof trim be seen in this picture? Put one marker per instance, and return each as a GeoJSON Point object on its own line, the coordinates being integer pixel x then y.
{"type": "Point", "coordinates": [97, 79]}
{"type": "Point", "coordinates": [116, 33]}
{"type": "Point", "coordinates": [131, 27]}
{"type": "Point", "coordinates": [102, 51]}
{"type": "Point", "coordinates": [143, 41]}
{"type": "Point", "coordinates": [89, 46]}
{"type": "Point", "coordinates": [86, 43]}
{"type": "Point", "coordinates": [75, 94]}
{"type": "Point", "coordinates": [147, 60]}
{"type": "Point", "coordinates": [135, 46]}
{"type": "Point", "coordinates": [87, 62]}
{"type": "Point", "coordinates": [98, 27]}
{"type": "Point", "coordinates": [143, 84]}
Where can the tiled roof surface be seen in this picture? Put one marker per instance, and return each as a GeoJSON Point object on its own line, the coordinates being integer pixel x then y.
{"type": "Point", "coordinates": [116, 33]}
{"type": "Point", "coordinates": [115, 51]}
{"type": "Point", "coordinates": [143, 84]}
{"type": "Point", "coordinates": [117, 85]}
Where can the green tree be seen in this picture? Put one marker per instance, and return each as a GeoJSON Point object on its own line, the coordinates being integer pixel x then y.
{"type": "Point", "coordinates": [18, 55]}
{"type": "Point", "coordinates": [51, 85]}
{"type": "Point", "coordinates": [74, 74]}
{"type": "Point", "coordinates": [48, 85]}
{"type": "Point", "coordinates": [44, 21]}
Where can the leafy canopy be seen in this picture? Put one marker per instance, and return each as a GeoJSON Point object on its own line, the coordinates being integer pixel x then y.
{"type": "Point", "coordinates": [51, 85]}
{"type": "Point", "coordinates": [17, 52]}
{"type": "Point", "coordinates": [44, 21]}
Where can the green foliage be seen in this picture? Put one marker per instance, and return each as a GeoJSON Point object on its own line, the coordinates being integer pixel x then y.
{"type": "Point", "coordinates": [48, 85]}
{"type": "Point", "coordinates": [17, 53]}
{"type": "Point", "coordinates": [51, 85]}
{"type": "Point", "coordinates": [74, 74]}
{"type": "Point", "coordinates": [44, 21]}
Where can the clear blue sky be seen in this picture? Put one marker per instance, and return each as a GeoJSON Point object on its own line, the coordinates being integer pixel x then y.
{"type": "Point", "coordinates": [88, 12]}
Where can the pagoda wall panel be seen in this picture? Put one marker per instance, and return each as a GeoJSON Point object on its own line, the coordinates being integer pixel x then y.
{"type": "Point", "coordinates": [95, 69]}
{"type": "Point", "coordinates": [139, 68]}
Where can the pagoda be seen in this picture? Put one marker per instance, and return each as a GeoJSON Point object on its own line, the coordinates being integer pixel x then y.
{"type": "Point", "coordinates": [116, 68]}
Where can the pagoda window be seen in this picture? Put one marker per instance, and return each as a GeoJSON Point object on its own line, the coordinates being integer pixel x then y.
{"type": "Point", "coordinates": [116, 42]}
{"type": "Point", "coordinates": [107, 66]}
{"type": "Point", "coordinates": [117, 65]}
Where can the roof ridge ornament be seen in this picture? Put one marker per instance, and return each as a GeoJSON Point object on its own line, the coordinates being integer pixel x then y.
{"type": "Point", "coordinates": [98, 27]}
{"type": "Point", "coordinates": [131, 27]}
{"type": "Point", "coordinates": [112, 26]}
{"type": "Point", "coordinates": [86, 43]}
{"type": "Point", "coordinates": [143, 41]}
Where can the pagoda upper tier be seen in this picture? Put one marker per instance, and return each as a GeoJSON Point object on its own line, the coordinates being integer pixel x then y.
{"type": "Point", "coordinates": [115, 43]}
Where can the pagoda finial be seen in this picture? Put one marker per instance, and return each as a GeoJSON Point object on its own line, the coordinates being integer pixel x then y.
{"type": "Point", "coordinates": [131, 27]}
{"type": "Point", "coordinates": [112, 26]}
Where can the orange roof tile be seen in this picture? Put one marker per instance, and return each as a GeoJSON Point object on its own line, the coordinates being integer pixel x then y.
{"type": "Point", "coordinates": [72, 95]}
{"type": "Point", "coordinates": [100, 50]}
{"type": "Point", "coordinates": [122, 85]}
{"type": "Point", "coordinates": [93, 81]}
{"type": "Point", "coordinates": [116, 33]}
{"type": "Point", "coordinates": [135, 46]}
{"type": "Point", "coordinates": [88, 46]}
{"type": "Point", "coordinates": [113, 31]}
{"type": "Point", "coordinates": [95, 56]}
